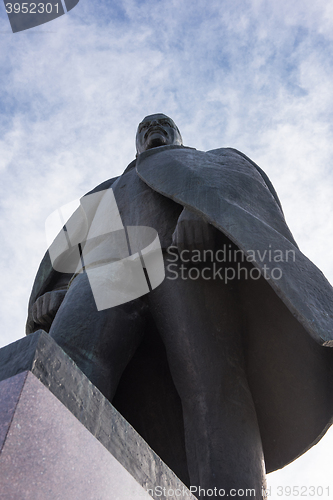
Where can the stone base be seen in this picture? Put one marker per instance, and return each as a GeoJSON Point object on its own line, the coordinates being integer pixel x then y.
{"type": "Point", "coordinates": [60, 438]}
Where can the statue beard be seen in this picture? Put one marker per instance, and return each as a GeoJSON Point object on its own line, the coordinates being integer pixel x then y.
{"type": "Point", "coordinates": [156, 140]}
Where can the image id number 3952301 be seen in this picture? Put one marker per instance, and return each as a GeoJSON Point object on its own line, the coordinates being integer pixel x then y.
{"type": "Point", "coordinates": [303, 491]}
{"type": "Point", "coordinates": [31, 8]}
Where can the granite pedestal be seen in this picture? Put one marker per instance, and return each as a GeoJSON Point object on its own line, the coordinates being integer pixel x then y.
{"type": "Point", "coordinates": [60, 437]}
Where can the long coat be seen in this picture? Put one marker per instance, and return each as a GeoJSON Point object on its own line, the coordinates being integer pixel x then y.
{"type": "Point", "coordinates": [289, 314]}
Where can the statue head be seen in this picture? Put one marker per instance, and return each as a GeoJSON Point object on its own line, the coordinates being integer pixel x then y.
{"type": "Point", "coordinates": [157, 130]}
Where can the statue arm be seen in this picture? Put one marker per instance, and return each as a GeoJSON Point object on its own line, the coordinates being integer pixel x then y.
{"type": "Point", "coordinates": [54, 273]}
{"type": "Point", "coordinates": [50, 285]}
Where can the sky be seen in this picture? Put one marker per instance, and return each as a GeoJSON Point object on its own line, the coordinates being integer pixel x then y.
{"type": "Point", "coordinates": [255, 75]}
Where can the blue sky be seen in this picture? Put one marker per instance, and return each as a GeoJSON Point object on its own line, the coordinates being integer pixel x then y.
{"type": "Point", "coordinates": [250, 74]}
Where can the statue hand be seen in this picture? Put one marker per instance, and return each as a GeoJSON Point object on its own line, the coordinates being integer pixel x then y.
{"type": "Point", "coordinates": [193, 233]}
{"type": "Point", "coordinates": [46, 307]}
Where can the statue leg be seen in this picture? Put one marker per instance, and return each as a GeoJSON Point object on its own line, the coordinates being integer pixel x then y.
{"type": "Point", "coordinates": [201, 325]}
{"type": "Point", "coordinates": [100, 342]}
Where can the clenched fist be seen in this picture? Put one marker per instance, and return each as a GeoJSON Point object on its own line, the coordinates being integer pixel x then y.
{"type": "Point", "coordinates": [46, 307]}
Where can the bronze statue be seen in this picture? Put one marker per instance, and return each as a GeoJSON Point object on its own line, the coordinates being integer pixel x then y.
{"type": "Point", "coordinates": [225, 366]}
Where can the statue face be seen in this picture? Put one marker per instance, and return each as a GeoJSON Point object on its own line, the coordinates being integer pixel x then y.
{"type": "Point", "coordinates": [157, 130]}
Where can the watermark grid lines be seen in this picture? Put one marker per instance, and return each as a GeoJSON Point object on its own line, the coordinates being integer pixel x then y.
{"type": "Point", "coordinates": [121, 263]}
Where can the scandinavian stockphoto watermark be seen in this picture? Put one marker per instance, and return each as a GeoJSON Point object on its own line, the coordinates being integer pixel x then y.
{"type": "Point", "coordinates": [199, 492]}
{"type": "Point", "coordinates": [24, 15]}
{"type": "Point", "coordinates": [226, 263]}
{"type": "Point", "coordinates": [266, 492]}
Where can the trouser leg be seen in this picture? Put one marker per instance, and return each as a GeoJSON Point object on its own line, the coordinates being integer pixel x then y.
{"type": "Point", "coordinates": [100, 342]}
{"type": "Point", "coordinates": [199, 321]}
